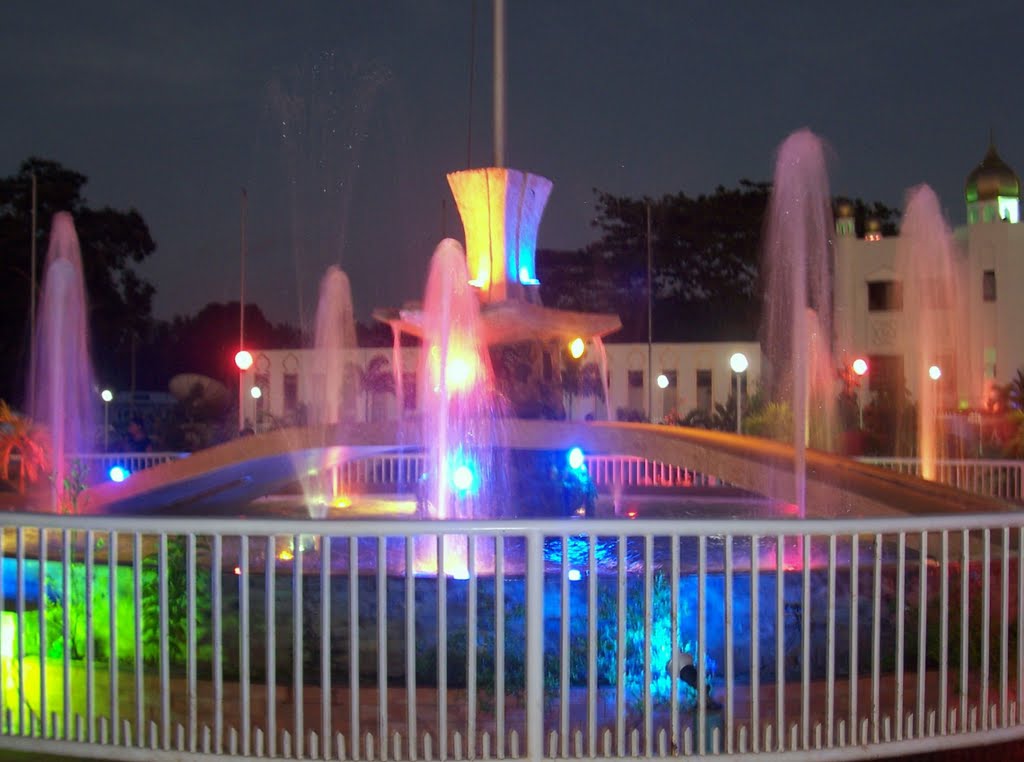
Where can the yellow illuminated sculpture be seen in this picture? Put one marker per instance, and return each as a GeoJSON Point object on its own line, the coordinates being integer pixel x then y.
{"type": "Point", "coordinates": [501, 210]}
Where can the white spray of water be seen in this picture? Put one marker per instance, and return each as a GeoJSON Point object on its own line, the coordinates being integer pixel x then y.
{"type": "Point", "coordinates": [927, 263]}
{"type": "Point", "coordinates": [798, 301]}
{"type": "Point", "coordinates": [61, 377]}
{"type": "Point", "coordinates": [334, 340]}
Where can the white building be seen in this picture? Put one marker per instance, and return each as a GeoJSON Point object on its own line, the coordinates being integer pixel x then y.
{"type": "Point", "coordinates": [696, 375]}
{"type": "Point", "coordinates": [875, 315]}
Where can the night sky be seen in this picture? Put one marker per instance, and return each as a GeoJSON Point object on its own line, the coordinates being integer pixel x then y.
{"type": "Point", "coordinates": [341, 118]}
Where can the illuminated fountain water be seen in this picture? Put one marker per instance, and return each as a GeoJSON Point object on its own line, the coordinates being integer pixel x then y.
{"type": "Point", "coordinates": [333, 392]}
{"type": "Point", "coordinates": [461, 418]}
{"type": "Point", "coordinates": [333, 344]}
{"type": "Point", "coordinates": [926, 261]}
{"type": "Point", "coordinates": [462, 421]}
{"type": "Point", "coordinates": [797, 323]}
{"type": "Point", "coordinates": [61, 378]}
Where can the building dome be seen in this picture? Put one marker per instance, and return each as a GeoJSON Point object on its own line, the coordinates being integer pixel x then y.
{"type": "Point", "coordinates": [991, 179]}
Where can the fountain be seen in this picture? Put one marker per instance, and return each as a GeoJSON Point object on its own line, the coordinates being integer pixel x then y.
{"type": "Point", "coordinates": [61, 379]}
{"type": "Point", "coordinates": [797, 312]}
{"type": "Point", "coordinates": [926, 260]}
{"type": "Point", "coordinates": [501, 211]}
{"type": "Point", "coordinates": [334, 340]}
{"type": "Point", "coordinates": [462, 418]}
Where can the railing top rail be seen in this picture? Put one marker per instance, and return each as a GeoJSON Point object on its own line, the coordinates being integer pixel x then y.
{"type": "Point", "coordinates": [101, 455]}
{"type": "Point", "coordinates": [717, 527]}
{"type": "Point", "coordinates": [903, 460]}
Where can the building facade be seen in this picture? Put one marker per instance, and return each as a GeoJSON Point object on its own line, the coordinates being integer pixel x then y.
{"type": "Point", "coordinates": [685, 377]}
{"type": "Point", "coordinates": [882, 316]}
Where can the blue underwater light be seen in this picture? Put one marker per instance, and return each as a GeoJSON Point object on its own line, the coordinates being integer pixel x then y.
{"type": "Point", "coordinates": [118, 473]}
{"type": "Point", "coordinates": [576, 458]}
{"type": "Point", "coordinates": [463, 476]}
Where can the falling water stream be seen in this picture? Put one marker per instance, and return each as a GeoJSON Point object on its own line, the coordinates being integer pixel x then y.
{"type": "Point", "coordinates": [61, 378]}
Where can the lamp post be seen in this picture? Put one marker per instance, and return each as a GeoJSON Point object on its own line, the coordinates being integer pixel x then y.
{"type": "Point", "coordinates": [107, 396]}
{"type": "Point", "coordinates": [243, 359]}
{"type": "Point", "coordinates": [860, 368]}
{"type": "Point", "coordinates": [738, 363]}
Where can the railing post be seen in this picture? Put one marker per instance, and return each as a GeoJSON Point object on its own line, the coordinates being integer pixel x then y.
{"type": "Point", "coordinates": [535, 645]}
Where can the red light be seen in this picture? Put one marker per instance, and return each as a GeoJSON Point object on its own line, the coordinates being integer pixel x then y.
{"type": "Point", "coordinates": [243, 359]}
{"type": "Point", "coordinates": [631, 514]}
{"type": "Point", "coordinates": [238, 572]}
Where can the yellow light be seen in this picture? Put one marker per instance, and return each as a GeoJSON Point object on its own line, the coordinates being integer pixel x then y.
{"type": "Point", "coordinates": [460, 373]}
{"type": "Point", "coordinates": [285, 555]}
{"type": "Point", "coordinates": [576, 347]}
{"type": "Point", "coordinates": [341, 501]}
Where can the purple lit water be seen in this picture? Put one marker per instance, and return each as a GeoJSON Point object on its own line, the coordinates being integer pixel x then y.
{"type": "Point", "coordinates": [798, 297]}
{"type": "Point", "coordinates": [61, 393]}
{"type": "Point", "coordinates": [926, 260]}
{"type": "Point", "coordinates": [461, 419]}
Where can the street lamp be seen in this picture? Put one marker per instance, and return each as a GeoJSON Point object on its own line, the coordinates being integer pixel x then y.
{"type": "Point", "coordinates": [738, 363]}
{"type": "Point", "coordinates": [934, 372]}
{"type": "Point", "coordinates": [860, 368]}
{"type": "Point", "coordinates": [576, 348]}
{"type": "Point", "coordinates": [243, 359]}
{"type": "Point", "coordinates": [107, 396]}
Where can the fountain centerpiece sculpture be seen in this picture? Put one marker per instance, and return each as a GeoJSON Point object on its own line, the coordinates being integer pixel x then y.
{"type": "Point", "coordinates": [488, 296]}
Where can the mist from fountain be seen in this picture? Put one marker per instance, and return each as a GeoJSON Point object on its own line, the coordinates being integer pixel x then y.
{"type": "Point", "coordinates": [61, 385]}
{"type": "Point", "coordinates": [926, 261]}
{"type": "Point", "coordinates": [798, 296]}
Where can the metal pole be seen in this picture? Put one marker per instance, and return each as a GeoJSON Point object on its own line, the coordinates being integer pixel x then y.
{"type": "Point", "coordinates": [241, 316]}
{"type": "Point", "coordinates": [739, 407]}
{"type": "Point", "coordinates": [650, 324]}
{"type": "Point", "coordinates": [241, 279]}
{"type": "Point", "coordinates": [499, 83]}
{"type": "Point", "coordinates": [32, 274]}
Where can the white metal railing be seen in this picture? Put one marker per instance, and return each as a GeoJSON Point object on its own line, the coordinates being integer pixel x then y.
{"type": "Point", "coordinates": [398, 469]}
{"type": "Point", "coordinates": [994, 478]}
{"type": "Point", "coordinates": [98, 464]}
{"type": "Point", "coordinates": [153, 638]}
{"type": "Point", "coordinates": [634, 471]}
{"type": "Point", "coordinates": [604, 470]}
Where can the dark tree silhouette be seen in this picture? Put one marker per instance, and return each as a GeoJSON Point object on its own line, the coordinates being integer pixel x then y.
{"type": "Point", "coordinates": [705, 253]}
{"type": "Point", "coordinates": [113, 242]}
